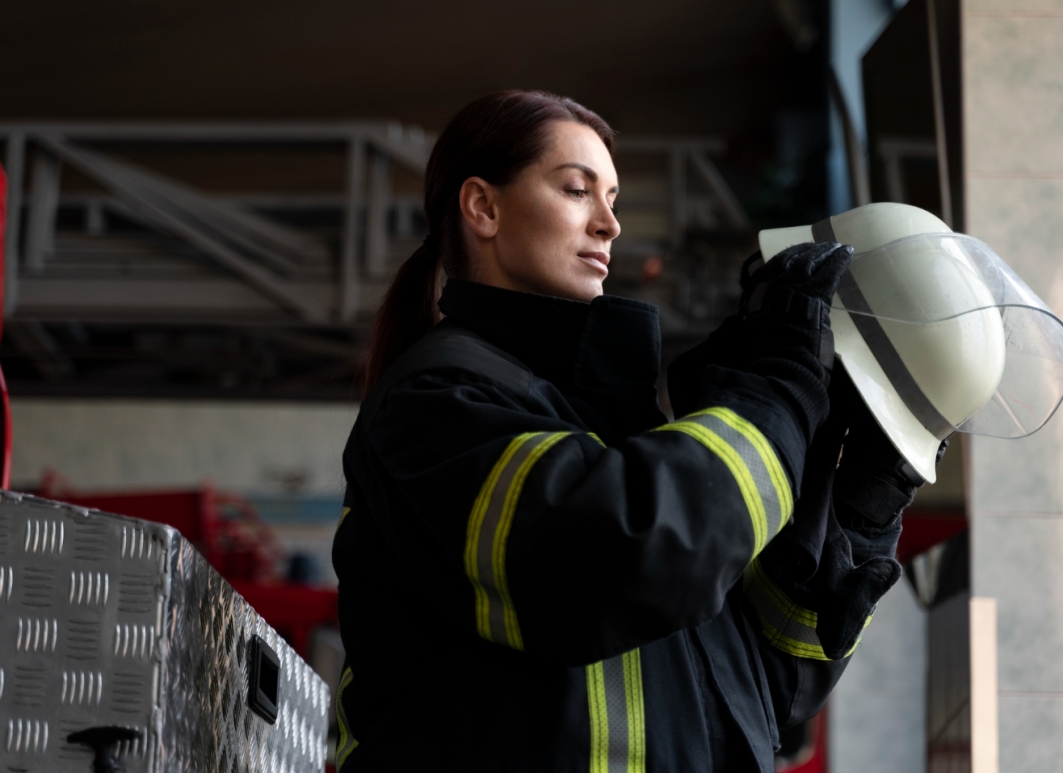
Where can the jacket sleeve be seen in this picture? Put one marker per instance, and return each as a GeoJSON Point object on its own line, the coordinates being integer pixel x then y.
{"type": "Point", "coordinates": [788, 613]}
{"type": "Point", "coordinates": [544, 540]}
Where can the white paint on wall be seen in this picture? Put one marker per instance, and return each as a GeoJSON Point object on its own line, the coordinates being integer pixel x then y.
{"type": "Point", "coordinates": [249, 447]}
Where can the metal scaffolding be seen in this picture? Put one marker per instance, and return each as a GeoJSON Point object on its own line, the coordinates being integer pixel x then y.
{"type": "Point", "coordinates": [127, 244]}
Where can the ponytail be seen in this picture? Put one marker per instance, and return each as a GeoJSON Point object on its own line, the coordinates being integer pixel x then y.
{"type": "Point", "coordinates": [494, 138]}
{"type": "Point", "coordinates": [408, 312]}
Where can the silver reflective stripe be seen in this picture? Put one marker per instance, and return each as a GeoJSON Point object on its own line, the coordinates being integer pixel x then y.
{"type": "Point", "coordinates": [751, 460]}
{"type": "Point", "coordinates": [890, 360]}
{"type": "Point", "coordinates": [823, 231]}
{"type": "Point", "coordinates": [786, 626]}
{"type": "Point", "coordinates": [488, 531]}
{"type": "Point", "coordinates": [617, 715]}
{"type": "Point", "coordinates": [776, 512]}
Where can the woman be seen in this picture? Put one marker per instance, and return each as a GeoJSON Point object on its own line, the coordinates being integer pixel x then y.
{"type": "Point", "coordinates": [537, 571]}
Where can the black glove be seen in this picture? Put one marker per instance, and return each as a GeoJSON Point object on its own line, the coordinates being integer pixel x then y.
{"type": "Point", "coordinates": [781, 331]}
{"type": "Point", "coordinates": [872, 486]}
{"type": "Point", "coordinates": [846, 593]}
{"type": "Point", "coordinates": [799, 283]}
{"type": "Point", "coordinates": [874, 482]}
{"type": "Point", "coordinates": [796, 552]}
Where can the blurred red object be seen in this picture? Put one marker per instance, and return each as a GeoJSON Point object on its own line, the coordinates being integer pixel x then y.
{"type": "Point", "coordinates": [651, 269]}
{"type": "Point", "coordinates": [812, 758]}
{"type": "Point", "coordinates": [923, 528]}
{"type": "Point", "coordinates": [293, 610]}
{"type": "Point", "coordinates": [226, 529]}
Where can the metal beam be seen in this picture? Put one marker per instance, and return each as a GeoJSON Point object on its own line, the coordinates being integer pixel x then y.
{"type": "Point", "coordinates": [44, 200]}
{"type": "Point", "coordinates": [729, 203]}
{"type": "Point", "coordinates": [14, 163]}
{"type": "Point", "coordinates": [133, 196]}
{"type": "Point", "coordinates": [325, 347]}
{"type": "Point", "coordinates": [220, 300]}
{"type": "Point", "coordinates": [409, 146]}
{"type": "Point", "coordinates": [376, 215]}
{"type": "Point", "coordinates": [859, 183]}
{"type": "Point", "coordinates": [281, 247]}
{"type": "Point", "coordinates": [47, 356]}
{"type": "Point", "coordinates": [347, 305]}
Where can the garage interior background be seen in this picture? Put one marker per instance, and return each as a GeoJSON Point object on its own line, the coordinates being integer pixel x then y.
{"type": "Point", "coordinates": [210, 200]}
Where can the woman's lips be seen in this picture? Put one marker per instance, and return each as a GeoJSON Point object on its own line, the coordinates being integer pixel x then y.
{"type": "Point", "coordinates": [599, 260]}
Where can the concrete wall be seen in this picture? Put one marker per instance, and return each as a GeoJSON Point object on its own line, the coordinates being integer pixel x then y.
{"type": "Point", "coordinates": [254, 448]}
{"type": "Point", "coordinates": [285, 457]}
{"type": "Point", "coordinates": [877, 713]}
{"type": "Point", "coordinates": [1013, 124]}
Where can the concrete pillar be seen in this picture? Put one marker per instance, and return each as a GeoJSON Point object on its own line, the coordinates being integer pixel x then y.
{"type": "Point", "coordinates": [877, 713]}
{"type": "Point", "coordinates": [1013, 130]}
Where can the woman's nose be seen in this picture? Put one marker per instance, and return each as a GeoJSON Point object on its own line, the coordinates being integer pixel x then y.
{"type": "Point", "coordinates": [606, 225]}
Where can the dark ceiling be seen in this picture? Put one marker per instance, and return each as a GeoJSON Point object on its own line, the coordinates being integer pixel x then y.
{"type": "Point", "coordinates": [672, 66]}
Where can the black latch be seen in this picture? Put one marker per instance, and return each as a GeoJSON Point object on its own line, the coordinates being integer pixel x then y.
{"type": "Point", "coordinates": [103, 740]}
{"type": "Point", "coordinates": [264, 667]}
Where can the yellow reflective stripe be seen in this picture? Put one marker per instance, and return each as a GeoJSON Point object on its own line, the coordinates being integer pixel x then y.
{"type": "Point", "coordinates": [739, 471]}
{"type": "Point", "coordinates": [767, 454]}
{"type": "Point", "coordinates": [498, 557]}
{"type": "Point", "coordinates": [346, 743]}
{"type": "Point", "coordinates": [488, 531]}
{"type": "Point", "coordinates": [786, 626]}
{"type": "Point", "coordinates": [617, 739]}
{"type": "Point", "coordinates": [636, 713]}
{"type": "Point", "coordinates": [472, 536]}
{"type": "Point", "coordinates": [342, 516]}
{"type": "Point", "coordinates": [599, 717]}
{"type": "Point", "coordinates": [792, 611]}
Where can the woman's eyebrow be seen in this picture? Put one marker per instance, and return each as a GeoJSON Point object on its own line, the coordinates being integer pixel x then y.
{"type": "Point", "coordinates": [585, 169]}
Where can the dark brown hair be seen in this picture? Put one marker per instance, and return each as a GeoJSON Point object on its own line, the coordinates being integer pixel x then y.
{"type": "Point", "coordinates": [496, 138]}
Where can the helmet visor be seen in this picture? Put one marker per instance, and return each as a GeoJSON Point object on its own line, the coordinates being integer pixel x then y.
{"type": "Point", "coordinates": [962, 340]}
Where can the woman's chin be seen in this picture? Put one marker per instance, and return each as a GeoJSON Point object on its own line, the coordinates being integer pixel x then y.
{"type": "Point", "coordinates": [586, 290]}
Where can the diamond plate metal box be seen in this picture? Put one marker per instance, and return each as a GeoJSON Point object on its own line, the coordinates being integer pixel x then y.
{"type": "Point", "coordinates": [106, 620]}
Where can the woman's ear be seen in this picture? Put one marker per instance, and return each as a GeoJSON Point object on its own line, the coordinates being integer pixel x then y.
{"type": "Point", "coordinates": [479, 206]}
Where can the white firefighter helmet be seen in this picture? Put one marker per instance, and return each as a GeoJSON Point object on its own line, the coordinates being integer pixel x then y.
{"type": "Point", "coordinates": [936, 332]}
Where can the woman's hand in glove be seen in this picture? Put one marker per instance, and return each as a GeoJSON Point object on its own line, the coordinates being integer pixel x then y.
{"type": "Point", "coordinates": [872, 486]}
{"type": "Point", "coordinates": [874, 482]}
{"type": "Point", "coordinates": [781, 331]}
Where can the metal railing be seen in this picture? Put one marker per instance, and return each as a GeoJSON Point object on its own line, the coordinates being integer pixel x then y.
{"type": "Point", "coordinates": [187, 254]}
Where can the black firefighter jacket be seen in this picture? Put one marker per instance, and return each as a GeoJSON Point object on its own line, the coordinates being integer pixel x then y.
{"type": "Point", "coordinates": [539, 573]}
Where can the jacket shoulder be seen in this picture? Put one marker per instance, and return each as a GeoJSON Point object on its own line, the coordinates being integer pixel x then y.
{"type": "Point", "coordinates": [451, 348]}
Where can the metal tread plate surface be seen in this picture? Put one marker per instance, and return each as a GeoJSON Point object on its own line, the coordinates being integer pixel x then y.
{"type": "Point", "coordinates": [107, 620]}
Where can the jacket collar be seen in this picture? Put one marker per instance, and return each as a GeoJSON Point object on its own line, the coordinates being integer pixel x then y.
{"type": "Point", "coordinates": [605, 353]}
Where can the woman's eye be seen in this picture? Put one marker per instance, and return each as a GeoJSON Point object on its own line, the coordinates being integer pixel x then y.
{"type": "Point", "coordinates": [578, 193]}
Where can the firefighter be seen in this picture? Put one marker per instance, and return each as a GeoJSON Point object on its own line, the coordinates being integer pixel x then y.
{"type": "Point", "coordinates": [538, 571]}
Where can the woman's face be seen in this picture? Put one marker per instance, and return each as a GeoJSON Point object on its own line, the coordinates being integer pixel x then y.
{"type": "Point", "coordinates": [550, 230]}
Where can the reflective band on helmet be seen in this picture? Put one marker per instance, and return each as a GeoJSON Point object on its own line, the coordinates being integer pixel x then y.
{"type": "Point", "coordinates": [870, 329]}
{"type": "Point", "coordinates": [752, 462]}
{"type": "Point", "coordinates": [785, 625]}
{"type": "Point", "coordinates": [346, 743]}
{"type": "Point", "coordinates": [489, 525]}
{"type": "Point", "coordinates": [823, 231]}
{"type": "Point", "coordinates": [617, 715]}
